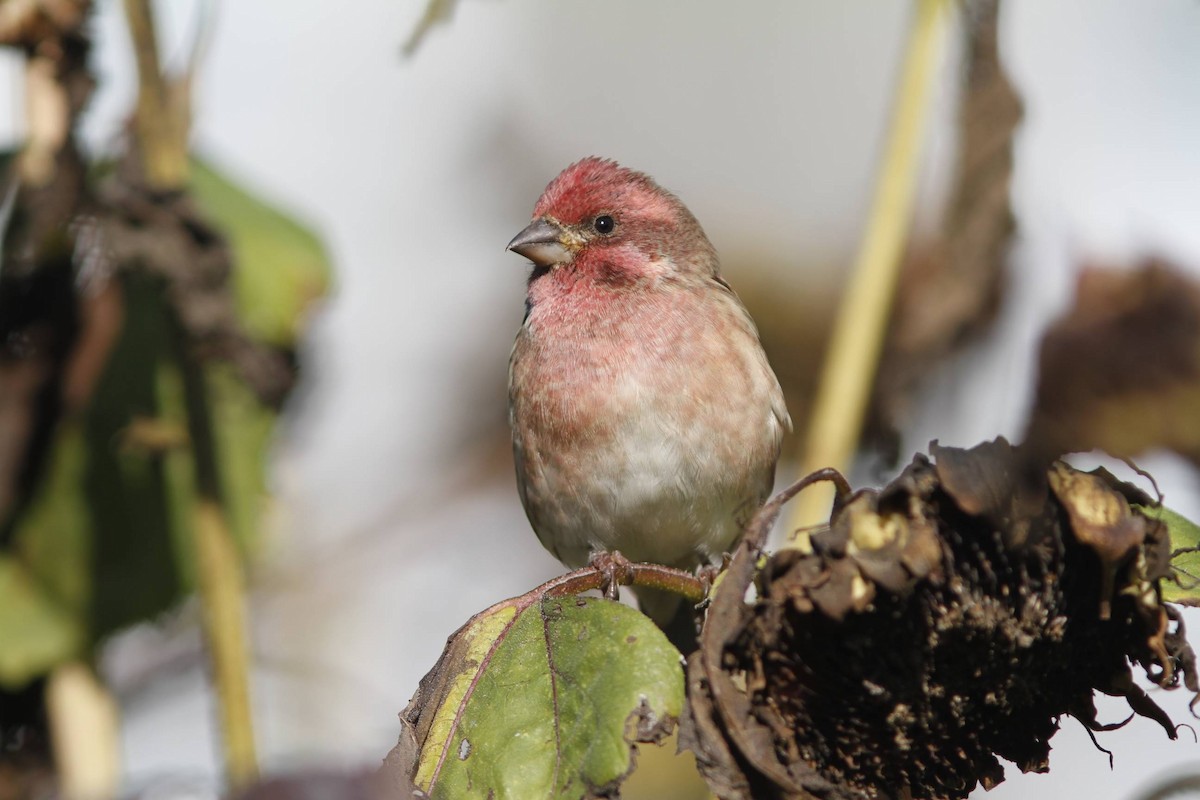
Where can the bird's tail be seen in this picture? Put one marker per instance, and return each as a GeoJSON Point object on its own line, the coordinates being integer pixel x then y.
{"type": "Point", "coordinates": [675, 616]}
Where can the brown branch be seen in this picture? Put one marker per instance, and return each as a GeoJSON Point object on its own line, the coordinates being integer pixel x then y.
{"type": "Point", "coordinates": [654, 576]}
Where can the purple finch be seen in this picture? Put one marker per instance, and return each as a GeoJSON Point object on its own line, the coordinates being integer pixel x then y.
{"type": "Point", "coordinates": [645, 417]}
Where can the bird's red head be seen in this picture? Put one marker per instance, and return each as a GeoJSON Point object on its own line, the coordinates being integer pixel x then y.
{"type": "Point", "coordinates": [595, 186]}
{"type": "Point", "coordinates": [597, 213]}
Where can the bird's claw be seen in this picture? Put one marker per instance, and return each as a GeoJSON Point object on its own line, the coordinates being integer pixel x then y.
{"type": "Point", "coordinates": [708, 573]}
{"type": "Point", "coordinates": [616, 569]}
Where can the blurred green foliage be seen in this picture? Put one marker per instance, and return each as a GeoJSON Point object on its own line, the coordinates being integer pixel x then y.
{"type": "Point", "coordinates": [1185, 543]}
{"type": "Point", "coordinates": [282, 265]}
{"type": "Point", "coordinates": [107, 540]}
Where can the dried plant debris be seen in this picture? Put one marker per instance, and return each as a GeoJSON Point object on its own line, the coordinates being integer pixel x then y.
{"type": "Point", "coordinates": [1121, 370]}
{"type": "Point", "coordinates": [950, 291]}
{"type": "Point", "coordinates": [30, 23]}
{"type": "Point", "coordinates": [938, 625]}
{"type": "Point", "coordinates": [165, 236]}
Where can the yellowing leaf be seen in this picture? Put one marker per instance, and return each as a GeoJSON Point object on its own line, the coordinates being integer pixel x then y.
{"type": "Point", "coordinates": [475, 644]}
{"type": "Point", "coordinates": [543, 698]}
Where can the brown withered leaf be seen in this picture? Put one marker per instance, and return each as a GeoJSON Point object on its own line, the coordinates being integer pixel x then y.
{"type": "Point", "coordinates": [1120, 372]}
{"type": "Point", "coordinates": [949, 292]}
{"type": "Point", "coordinates": [167, 237]}
{"type": "Point", "coordinates": [863, 671]}
{"type": "Point", "coordinates": [30, 23]}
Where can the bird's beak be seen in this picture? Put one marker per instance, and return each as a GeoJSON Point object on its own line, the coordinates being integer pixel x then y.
{"type": "Point", "coordinates": [545, 243]}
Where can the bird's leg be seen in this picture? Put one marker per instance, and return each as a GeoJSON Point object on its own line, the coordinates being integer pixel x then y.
{"type": "Point", "coordinates": [616, 570]}
{"type": "Point", "coordinates": [707, 574]}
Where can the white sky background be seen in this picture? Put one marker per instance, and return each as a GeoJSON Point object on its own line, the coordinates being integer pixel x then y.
{"type": "Point", "coordinates": [766, 118]}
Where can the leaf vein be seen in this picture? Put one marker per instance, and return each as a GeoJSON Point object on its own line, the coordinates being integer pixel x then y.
{"type": "Point", "coordinates": [553, 698]}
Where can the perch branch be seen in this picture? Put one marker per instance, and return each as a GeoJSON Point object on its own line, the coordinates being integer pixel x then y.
{"type": "Point", "coordinates": [655, 576]}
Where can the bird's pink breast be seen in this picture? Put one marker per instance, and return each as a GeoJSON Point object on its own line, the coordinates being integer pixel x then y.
{"type": "Point", "coordinates": [642, 419]}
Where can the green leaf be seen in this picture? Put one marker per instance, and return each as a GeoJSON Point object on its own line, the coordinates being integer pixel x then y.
{"type": "Point", "coordinates": [242, 430]}
{"type": "Point", "coordinates": [108, 536]}
{"type": "Point", "coordinates": [544, 698]}
{"type": "Point", "coordinates": [53, 539]}
{"type": "Point", "coordinates": [35, 634]}
{"type": "Point", "coordinates": [134, 570]}
{"type": "Point", "coordinates": [1185, 543]}
{"type": "Point", "coordinates": [95, 539]}
{"type": "Point", "coordinates": [281, 266]}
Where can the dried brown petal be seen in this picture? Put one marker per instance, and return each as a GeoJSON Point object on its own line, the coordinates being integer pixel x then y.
{"type": "Point", "coordinates": [948, 294]}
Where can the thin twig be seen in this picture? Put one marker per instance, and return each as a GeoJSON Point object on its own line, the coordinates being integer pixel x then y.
{"type": "Point", "coordinates": [436, 12]}
{"type": "Point", "coordinates": [655, 576]}
{"type": "Point", "coordinates": [162, 127]}
{"type": "Point", "coordinates": [161, 120]}
{"type": "Point", "coordinates": [857, 339]}
{"type": "Point", "coordinates": [224, 601]}
{"type": "Point", "coordinates": [1129, 462]}
{"type": "Point", "coordinates": [220, 577]}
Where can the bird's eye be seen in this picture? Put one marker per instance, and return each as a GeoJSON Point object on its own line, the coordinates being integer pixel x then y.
{"type": "Point", "coordinates": [604, 224]}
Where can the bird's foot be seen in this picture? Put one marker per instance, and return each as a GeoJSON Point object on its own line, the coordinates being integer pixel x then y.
{"type": "Point", "coordinates": [616, 569]}
{"type": "Point", "coordinates": [708, 574]}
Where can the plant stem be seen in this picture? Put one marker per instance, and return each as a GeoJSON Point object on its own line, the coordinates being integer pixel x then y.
{"type": "Point", "coordinates": [223, 598]}
{"type": "Point", "coordinates": [220, 578]}
{"type": "Point", "coordinates": [162, 132]}
{"type": "Point", "coordinates": [161, 119]}
{"type": "Point", "coordinates": [857, 339]}
{"type": "Point", "coordinates": [83, 730]}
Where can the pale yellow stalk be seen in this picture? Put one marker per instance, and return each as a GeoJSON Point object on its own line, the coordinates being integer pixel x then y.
{"type": "Point", "coordinates": [843, 392]}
